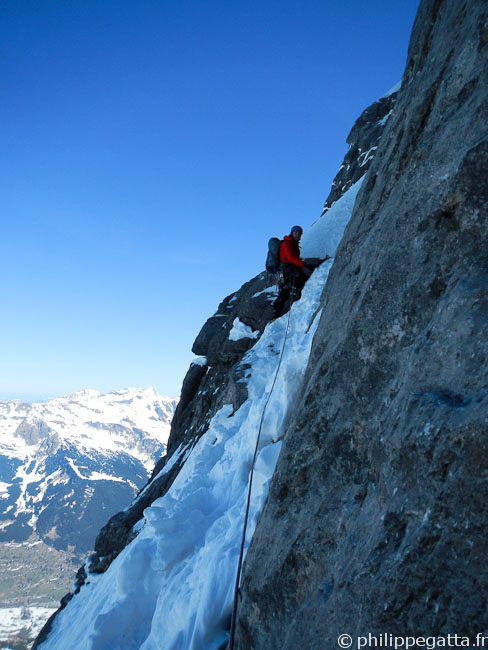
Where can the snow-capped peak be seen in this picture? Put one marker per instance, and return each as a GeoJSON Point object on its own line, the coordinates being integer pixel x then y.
{"type": "Point", "coordinates": [87, 393]}
{"type": "Point", "coordinates": [60, 456]}
{"type": "Point", "coordinates": [87, 418]}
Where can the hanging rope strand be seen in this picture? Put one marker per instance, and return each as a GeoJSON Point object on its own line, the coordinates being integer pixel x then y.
{"type": "Point", "coordinates": [246, 516]}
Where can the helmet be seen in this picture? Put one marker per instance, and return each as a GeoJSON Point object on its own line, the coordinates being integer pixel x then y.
{"type": "Point", "coordinates": [299, 228]}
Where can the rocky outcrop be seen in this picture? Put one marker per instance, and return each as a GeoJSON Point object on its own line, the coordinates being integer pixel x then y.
{"type": "Point", "coordinates": [252, 305]}
{"type": "Point", "coordinates": [376, 514]}
{"type": "Point", "coordinates": [36, 432]}
{"type": "Point", "coordinates": [363, 141]}
{"type": "Point", "coordinates": [214, 379]}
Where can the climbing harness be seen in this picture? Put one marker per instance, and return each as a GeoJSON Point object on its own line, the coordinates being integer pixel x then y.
{"type": "Point", "coordinates": [246, 516]}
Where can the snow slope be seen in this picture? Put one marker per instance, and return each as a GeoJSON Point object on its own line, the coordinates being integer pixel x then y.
{"type": "Point", "coordinates": [171, 588]}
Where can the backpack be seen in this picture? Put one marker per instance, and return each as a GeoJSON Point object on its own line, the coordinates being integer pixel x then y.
{"type": "Point", "coordinates": [273, 258]}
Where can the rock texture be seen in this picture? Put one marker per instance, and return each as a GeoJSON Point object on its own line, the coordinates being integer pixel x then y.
{"type": "Point", "coordinates": [363, 141]}
{"type": "Point", "coordinates": [377, 514]}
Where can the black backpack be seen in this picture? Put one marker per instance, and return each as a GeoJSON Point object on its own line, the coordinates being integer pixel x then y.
{"type": "Point", "coordinates": [273, 258]}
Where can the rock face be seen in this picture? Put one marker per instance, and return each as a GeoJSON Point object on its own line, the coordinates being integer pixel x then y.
{"type": "Point", "coordinates": [376, 518]}
{"type": "Point", "coordinates": [252, 304]}
{"type": "Point", "coordinates": [363, 141]}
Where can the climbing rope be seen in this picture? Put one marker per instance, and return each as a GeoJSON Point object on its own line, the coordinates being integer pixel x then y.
{"type": "Point", "coordinates": [246, 516]}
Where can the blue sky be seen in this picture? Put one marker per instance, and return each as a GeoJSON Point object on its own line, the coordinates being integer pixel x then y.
{"type": "Point", "coordinates": [149, 150]}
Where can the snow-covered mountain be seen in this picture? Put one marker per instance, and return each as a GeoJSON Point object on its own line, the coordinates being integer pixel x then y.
{"type": "Point", "coordinates": [66, 465]}
{"type": "Point", "coordinates": [363, 412]}
{"type": "Point", "coordinates": [19, 625]}
{"type": "Point", "coordinates": [69, 463]}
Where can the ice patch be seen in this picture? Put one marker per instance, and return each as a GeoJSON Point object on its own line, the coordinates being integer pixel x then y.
{"type": "Point", "coordinates": [383, 119]}
{"type": "Point", "coordinates": [323, 237]}
{"type": "Point", "coordinates": [392, 90]}
{"type": "Point", "coordinates": [272, 291]}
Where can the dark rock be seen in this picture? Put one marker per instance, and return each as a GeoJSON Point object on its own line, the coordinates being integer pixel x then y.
{"type": "Point", "coordinates": [363, 142]}
{"type": "Point", "coordinates": [253, 305]}
{"type": "Point", "coordinates": [376, 517]}
{"type": "Point", "coordinates": [191, 384]}
{"type": "Point", "coordinates": [213, 328]}
{"type": "Point", "coordinates": [193, 421]}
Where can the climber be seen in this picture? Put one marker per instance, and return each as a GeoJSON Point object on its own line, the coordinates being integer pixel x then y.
{"type": "Point", "coordinates": [293, 271]}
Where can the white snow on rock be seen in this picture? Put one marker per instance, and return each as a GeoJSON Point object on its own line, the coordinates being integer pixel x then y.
{"type": "Point", "coordinates": [383, 119]}
{"type": "Point", "coordinates": [323, 236]}
{"type": "Point", "coordinates": [367, 156]}
{"type": "Point", "coordinates": [199, 361]}
{"type": "Point", "coordinates": [270, 292]}
{"type": "Point", "coordinates": [392, 90]}
{"type": "Point", "coordinates": [171, 588]}
{"type": "Point", "coordinates": [241, 331]}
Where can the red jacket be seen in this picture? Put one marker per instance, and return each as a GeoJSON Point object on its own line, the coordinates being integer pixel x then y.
{"type": "Point", "coordinates": [290, 252]}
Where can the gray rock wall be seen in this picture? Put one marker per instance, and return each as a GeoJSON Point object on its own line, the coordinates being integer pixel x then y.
{"type": "Point", "coordinates": [363, 141]}
{"type": "Point", "coordinates": [376, 519]}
